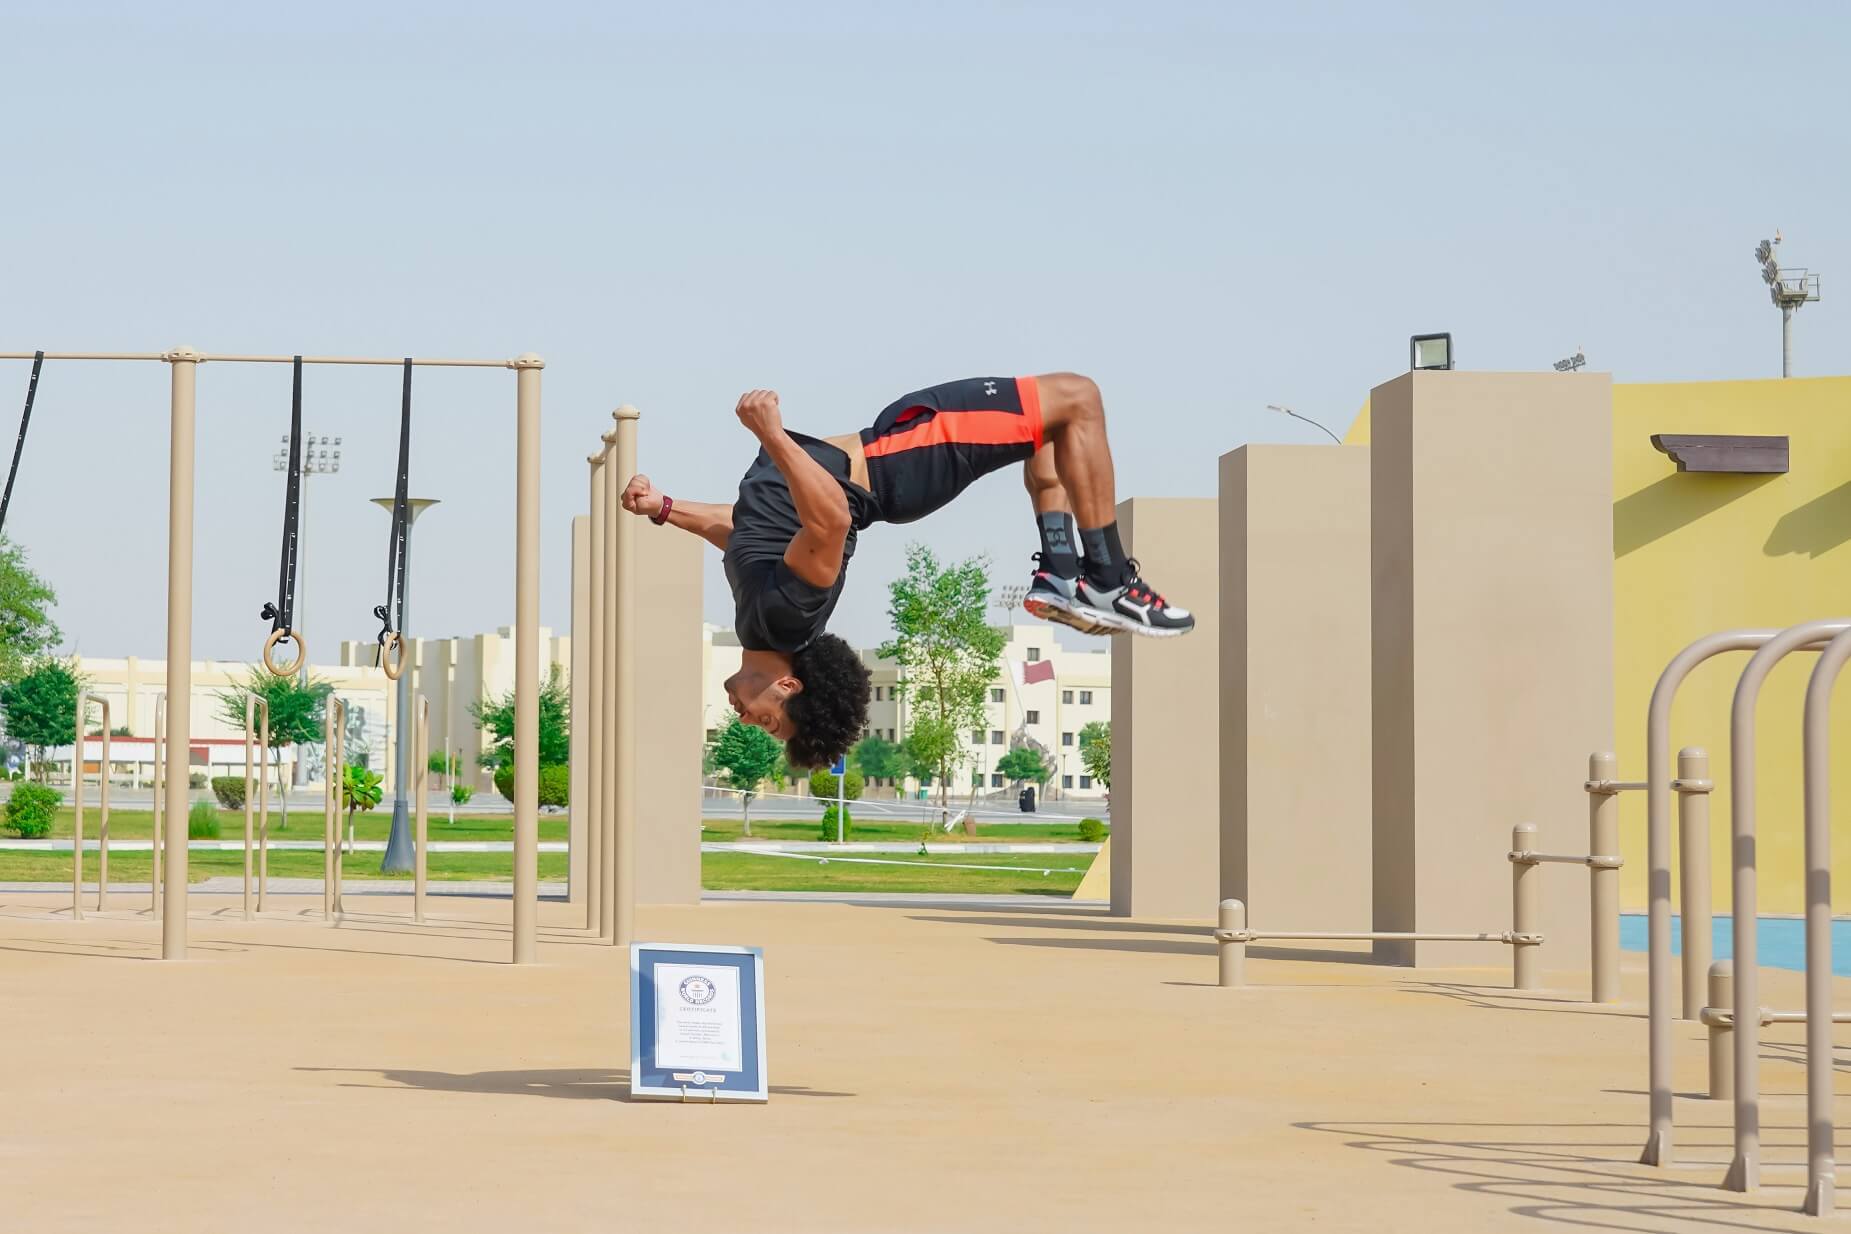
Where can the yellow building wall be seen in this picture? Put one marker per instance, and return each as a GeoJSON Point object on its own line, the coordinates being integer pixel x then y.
{"type": "Point", "coordinates": [1696, 553]}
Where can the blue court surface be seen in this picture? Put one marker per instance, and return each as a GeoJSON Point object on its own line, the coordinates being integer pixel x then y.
{"type": "Point", "coordinates": [1781, 941]}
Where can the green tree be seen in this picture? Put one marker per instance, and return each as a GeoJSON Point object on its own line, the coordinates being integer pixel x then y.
{"type": "Point", "coordinates": [1096, 751]}
{"type": "Point", "coordinates": [919, 754]}
{"type": "Point", "coordinates": [442, 764]}
{"type": "Point", "coordinates": [877, 758]}
{"type": "Point", "coordinates": [41, 707]}
{"type": "Point", "coordinates": [948, 653]}
{"type": "Point", "coordinates": [360, 790]}
{"type": "Point", "coordinates": [1025, 763]}
{"type": "Point", "coordinates": [496, 717]}
{"type": "Point", "coordinates": [298, 715]}
{"type": "Point", "coordinates": [747, 755]}
{"type": "Point", "coordinates": [27, 632]}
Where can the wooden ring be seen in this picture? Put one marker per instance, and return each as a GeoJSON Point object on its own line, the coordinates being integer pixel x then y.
{"type": "Point", "coordinates": [284, 636]}
{"type": "Point", "coordinates": [392, 655]}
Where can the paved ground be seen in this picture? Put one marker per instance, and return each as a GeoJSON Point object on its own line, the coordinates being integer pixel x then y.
{"type": "Point", "coordinates": [1007, 1066]}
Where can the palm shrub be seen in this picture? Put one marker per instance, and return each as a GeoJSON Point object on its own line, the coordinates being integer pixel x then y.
{"type": "Point", "coordinates": [461, 793]}
{"type": "Point", "coordinates": [31, 810]}
{"type": "Point", "coordinates": [828, 831]}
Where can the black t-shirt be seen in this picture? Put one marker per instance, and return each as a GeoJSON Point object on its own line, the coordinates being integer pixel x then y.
{"type": "Point", "coordinates": [773, 609]}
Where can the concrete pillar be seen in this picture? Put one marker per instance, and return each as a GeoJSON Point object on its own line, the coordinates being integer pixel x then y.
{"type": "Point", "coordinates": [1491, 500]}
{"type": "Point", "coordinates": [579, 812]}
{"type": "Point", "coordinates": [669, 729]}
{"type": "Point", "coordinates": [1295, 676]}
{"type": "Point", "coordinates": [1166, 721]}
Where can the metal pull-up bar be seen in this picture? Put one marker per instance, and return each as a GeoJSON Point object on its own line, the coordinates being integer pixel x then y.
{"type": "Point", "coordinates": [519, 362]}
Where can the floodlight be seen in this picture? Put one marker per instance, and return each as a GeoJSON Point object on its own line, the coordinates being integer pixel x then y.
{"type": "Point", "coordinates": [1430, 351]}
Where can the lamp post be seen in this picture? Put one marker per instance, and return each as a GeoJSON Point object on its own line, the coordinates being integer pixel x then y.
{"type": "Point", "coordinates": [1788, 287]}
{"type": "Point", "coordinates": [1307, 419]}
{"type": "Point", "coordinates": [399, 854]}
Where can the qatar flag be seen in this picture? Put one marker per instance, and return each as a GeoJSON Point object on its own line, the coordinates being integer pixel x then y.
{"type": "Point", "coordinates": [1028, 673]}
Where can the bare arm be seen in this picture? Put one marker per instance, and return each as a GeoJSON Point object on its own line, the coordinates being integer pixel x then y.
{"type": "Point", "coordinates": [712, 523]}
{"type": "Point", "coordinates": [815, 554]}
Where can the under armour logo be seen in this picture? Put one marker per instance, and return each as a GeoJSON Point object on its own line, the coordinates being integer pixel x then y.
{"type": "Point", "coordinates": [989, 387]}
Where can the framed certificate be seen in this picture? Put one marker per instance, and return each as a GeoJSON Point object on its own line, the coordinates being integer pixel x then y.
{"type": "Point", "coordinates": [697, 1022]}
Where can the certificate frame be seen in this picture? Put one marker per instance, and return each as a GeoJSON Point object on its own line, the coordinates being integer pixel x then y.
{"type": "Point", "coordinates": [651, 1081]}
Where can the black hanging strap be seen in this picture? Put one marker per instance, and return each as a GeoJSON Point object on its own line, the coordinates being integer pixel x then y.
{"type": "Point", "coordinates": [25, 420]}
{"type": "Point", "coordinates": [391, 614]}
{"type": "Point", "coordinates": [280, 613]}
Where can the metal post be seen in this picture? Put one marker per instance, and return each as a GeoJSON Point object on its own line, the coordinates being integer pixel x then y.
{"type": "Point", "coordinates": [263, 801]}
{"type": "Point", "coordinates": [160, 795]}
{"type": "Point", "coordinates": [1820, 1187]}
{"type": "Point", "coordinates": [526, 657]}
{"type": "Point", "coordinates": [1232, 922]}
{"type": "Point", "coordinates": [77, 810]}
{"type": "Point", "coordinates": [250, 738]}
{"type": "Point", "coordinates": [1603, 829]}
{"type": "Point", "coordinates": [1692, 786]}
{"type": "Point", "coordinates": [607, 692]}
{"type": "Point", "coordinates": [422, 809]}
{"type": "Point", "coordinates": [590, 791]}
{"type": "Point", "coordinates": [183, 363]}
{"type": "Point", "coordinates": [1722, 1031]}
{"type": "Point", "coordinates": [337, 780]}
{"type": "Point", "coordinates": [625, 642]}
{"type": "Point", "coordinates": [102, 821]}
{"type": "Point", "coordinates": [1525, 910]}
{"type": "Point", "coordinates": [1745, 1170]}
{"type": "Point", "coordinates": [398, 855]}
{"type": "Point", "coordinates": [1786, 340]}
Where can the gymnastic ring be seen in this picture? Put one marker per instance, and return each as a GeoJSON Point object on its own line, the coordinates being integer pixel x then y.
{"type": "Point", "coordinates": [393, 665]}
{"type": "Point", "coordinates": [284, 636]}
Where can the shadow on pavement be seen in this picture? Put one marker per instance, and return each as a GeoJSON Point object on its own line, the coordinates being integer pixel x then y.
{"type": "Point", "coordinates": [587, 1084]}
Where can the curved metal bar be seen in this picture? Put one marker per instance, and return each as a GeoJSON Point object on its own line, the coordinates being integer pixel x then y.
{"type": "Point", "coordinates": [1658, 1147]}
{"type": "Point", "coordinates": [1745, 1171]}
{"type": "Point", "coordinates": [1819, 1016]}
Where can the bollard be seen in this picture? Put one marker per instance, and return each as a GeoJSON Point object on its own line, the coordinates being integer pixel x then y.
{"type": "Point", "coordinates": [1603, 838]}
{"type": "Point", "coordinates": [1722, 1032]}
{"type": "Point", "coordinates": [1692, 787]}
{"type": "Point", "coordinates": [1525, 910]}
{"type": "Point", "coordinates": [1231, 938]}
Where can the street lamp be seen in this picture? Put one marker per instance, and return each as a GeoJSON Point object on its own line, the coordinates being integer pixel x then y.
{"type": "Point", "coordinates": [1788, 288]}
{"type": "Point", "coordinates": [399, 852]}
{"type": "Point", "coordinates": [321, 456]}
{"type": "Point", "coordinates": [1307, 419]}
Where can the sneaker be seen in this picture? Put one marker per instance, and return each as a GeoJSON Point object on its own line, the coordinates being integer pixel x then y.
{"type": "Point", "coordinates": [1053, 598]}
{"type": "Point", "coordinates": [1134, 606]}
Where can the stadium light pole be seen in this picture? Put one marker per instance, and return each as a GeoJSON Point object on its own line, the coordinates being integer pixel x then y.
{"type": "Point", "coordinates": [1307, 419]}
{"type": "Point", "coordinates": [1788, 288]}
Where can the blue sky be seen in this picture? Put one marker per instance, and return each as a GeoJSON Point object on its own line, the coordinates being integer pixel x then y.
{"type": "Point", "coordinates": [1207, 207]}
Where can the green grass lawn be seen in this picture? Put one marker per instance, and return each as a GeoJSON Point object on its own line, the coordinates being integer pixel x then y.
{"type": "Point", "coordinates": [728, 829]}
{"type": "Point", "coordinates": [305, 824]}
{"type": "Point", "coordinates": [719, 871]}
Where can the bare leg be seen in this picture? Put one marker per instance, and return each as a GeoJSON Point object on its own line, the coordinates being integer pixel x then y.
{"type": "Point", "coordinates": [1045, 491]}
{"type": "Point", "coordinates": [1073, 421]}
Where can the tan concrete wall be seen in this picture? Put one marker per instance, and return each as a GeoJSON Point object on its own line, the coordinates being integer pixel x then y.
{"type": "Point", "coordinates": [670, 724]}
{"type": "Point", "coordinates": [1492, 530]}
{"type": "Point", "coordinates": [1295, 680]}
{"type": "Point", "coordinates": [1166, 721]}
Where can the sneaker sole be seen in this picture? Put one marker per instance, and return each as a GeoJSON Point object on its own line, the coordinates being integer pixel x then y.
{"type": "Point", "coordinates": [1054, 609]}
{"type": "Point", "coordinates": [1114, 623]}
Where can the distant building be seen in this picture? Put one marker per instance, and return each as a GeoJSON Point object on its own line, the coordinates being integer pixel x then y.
{"type": "Point", "coordinates": [1026, 705]}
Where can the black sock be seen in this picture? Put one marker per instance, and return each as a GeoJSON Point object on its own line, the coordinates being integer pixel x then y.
{"type": "Point", "coordinates": [1105, 562]}
{"type": "Point", "coordinates": [1060, 551]}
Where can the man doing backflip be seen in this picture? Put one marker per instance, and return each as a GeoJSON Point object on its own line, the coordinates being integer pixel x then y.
{"type": "Point", "coordinates": [788, 538]}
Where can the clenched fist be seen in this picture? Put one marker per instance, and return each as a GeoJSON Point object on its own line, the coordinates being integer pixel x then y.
{"type": "Point", "coordinates": [758, 411]}
{"type": "Point", "coordinates": [640, 497]}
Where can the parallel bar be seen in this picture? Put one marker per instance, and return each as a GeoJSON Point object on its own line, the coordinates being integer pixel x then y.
{"type": "Point", "coordinates": [1692, 787]}
{"type": "Point", "coordinates": [607, 692]}
{"type": "Point", "coordinates": [263, 801]}
{"type": "Point", "coordinates": [1820, 1136]}
{"type": "Point", "coordinates": [526, 658]}
{"type": "Point", "coordinates": [1525, 908]}
{"type": "Point", "coordinates": [250, 738]}
{"type": "Point", "coordinates": [592, 788]}
{"type": "Point", "coordinates": [157, 841]}
{"type": "Point", "coordinates": [102, 821]}
{"type": "Point", "coordinates": [1419, 936]}
{"type": "Point", "coordinates": [183, 363]}
{"type": "Point", "coordinates": [421, 775]}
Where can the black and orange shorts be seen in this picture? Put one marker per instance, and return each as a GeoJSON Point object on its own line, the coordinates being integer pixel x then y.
{"type": "Point", "coordinates": [932, 444]}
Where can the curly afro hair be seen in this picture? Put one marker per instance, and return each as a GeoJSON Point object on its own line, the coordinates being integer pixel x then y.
{"type": "Point", "coordinates": [831, 711]}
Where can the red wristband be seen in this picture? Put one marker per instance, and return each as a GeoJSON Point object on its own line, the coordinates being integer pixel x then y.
{"type": "Point", "coordinates": [661, 516]}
